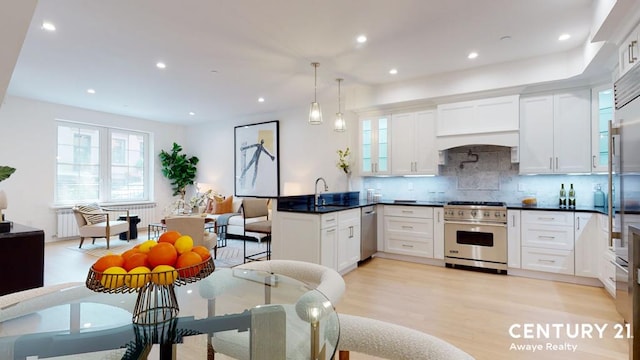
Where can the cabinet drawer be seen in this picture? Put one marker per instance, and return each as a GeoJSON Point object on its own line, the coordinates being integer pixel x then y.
{"type": "Point", "coordinates": [548, 260]}
{"type": "Point", "coordinates": [414, 226]}
{"type": "Point", "coordinates": [407, 247]}
{"type": "Point", "coordinates": [548, 218]}
{"type": "Point", "coordinates": [409, 211]}
{"type": "Point", "coordinates": [349, 215]}
{"type": "Point", "coordinates": [328, 220]}
{"type": "Point", "coordinates": [547, 237]}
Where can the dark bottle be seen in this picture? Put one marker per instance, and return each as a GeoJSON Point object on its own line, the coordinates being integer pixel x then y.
{"type": "Point", "coordinates": [563, 196]}
{"type": "Point", "coordinates": [572, 197]}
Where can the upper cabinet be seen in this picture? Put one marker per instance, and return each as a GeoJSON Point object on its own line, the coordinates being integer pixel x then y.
{"type": "Point", "coordinates": [413, 149]}
{"type": "Point", "coordinates": [628, 52]}
{"type": "Point", "coordinates": [553, 133]}
{"type": "Point", "coordinates": [478, 116]}
{"type": "Point", "coordinates": [374, 145]}
{"type": "Point", "coordinates": [601, 113]}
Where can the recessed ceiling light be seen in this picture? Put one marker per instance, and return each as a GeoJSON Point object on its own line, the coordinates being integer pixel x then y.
{"type": "Point", "coordinates": [161, 65]}
{"type": "Point", "coordinates": [191, 113]}
{"type": "Point", "coordinates": [91, 91]}
{"type": "Point", "coordinates": [48, 26]}
{"type": "Point", "coordinates": [393, 71]}
{"type": "Point", "coordinates": [260, 99]}
{"type": "Point", "coordinates": [472, 55]}
{"type": "Point", "coordinates": [564, 37]}
{"type": "Point", "coordinates": [362, 39]}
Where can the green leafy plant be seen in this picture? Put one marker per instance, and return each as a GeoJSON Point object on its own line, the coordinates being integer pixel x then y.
{"type": "Point", "coordinates": [179, 169]}
{"type": "Point", "coordinates": [343, 160]}
{"type": "Point", "coordinates": [5, 172]}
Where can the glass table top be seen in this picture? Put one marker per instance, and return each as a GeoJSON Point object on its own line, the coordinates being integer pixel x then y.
{"type": "Point", "coordinates": [236, 312]}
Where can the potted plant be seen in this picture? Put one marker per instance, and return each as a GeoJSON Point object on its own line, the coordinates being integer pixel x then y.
{"type": "Point", "coordinates": [179, 169]}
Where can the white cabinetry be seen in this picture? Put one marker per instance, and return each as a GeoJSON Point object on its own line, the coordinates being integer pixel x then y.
{"type": "Point", "coordinates": [547, 241]}
{"type": "Point", "coordinates": [555, 133]}
{"type": "Point", "coordinates": [413, 150]}
{"type": "Point", "coordinates": [608, 272]}
{"type": "Point", "coordinates": [408, 230]}
{"type": "Point", "coordinates": [331, 239]}
{"type": "Point", "coordinates": [438, 233]}
{"type": "Point", "coordinates": [628, 52]}
{"type": "Point", "coordinates": [478, 116]}
{"type": "Point", "coordinates": [348, 252]}
{"type": "Point", "coordinates": [588, 247]}
{"type": "Point", "coordinates": [513, 239]}
{"type": "Point", "coordinates": [374, 146]}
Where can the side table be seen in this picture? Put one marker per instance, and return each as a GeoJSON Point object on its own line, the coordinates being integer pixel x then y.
{"type": "Point", "coordinates": [21, 248]}
{"type": "Point", "coordinates": [133, 227]}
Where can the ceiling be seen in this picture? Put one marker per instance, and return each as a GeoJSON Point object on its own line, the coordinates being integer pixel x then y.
{"type": "Point", "coordinates": [222, 55]}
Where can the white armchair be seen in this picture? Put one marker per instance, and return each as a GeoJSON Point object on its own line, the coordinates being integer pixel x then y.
{"type": "Point", "coordinates": [96, 222]}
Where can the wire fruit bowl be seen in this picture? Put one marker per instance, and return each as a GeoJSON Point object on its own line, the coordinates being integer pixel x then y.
{"type": "Point", "coordinates": [156, 302]}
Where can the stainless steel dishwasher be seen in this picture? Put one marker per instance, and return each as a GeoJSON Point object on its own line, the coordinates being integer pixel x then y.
{"type": "Point", "coordinates": [368, 232]}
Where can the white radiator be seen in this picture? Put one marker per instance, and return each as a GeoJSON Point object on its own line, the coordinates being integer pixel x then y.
{"type": "Point", "coordinates": [68, 228]}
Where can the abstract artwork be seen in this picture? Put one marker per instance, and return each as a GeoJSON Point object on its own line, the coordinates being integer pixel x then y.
{"type": "Point", "coordinates": [257, 160]}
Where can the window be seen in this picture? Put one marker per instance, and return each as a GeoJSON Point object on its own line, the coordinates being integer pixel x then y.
{"type": "Point", "coordinates": [101, 164]}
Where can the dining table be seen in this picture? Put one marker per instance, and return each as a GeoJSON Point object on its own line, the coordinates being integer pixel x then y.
{"type": "Point", "coordinates": [239, 313]}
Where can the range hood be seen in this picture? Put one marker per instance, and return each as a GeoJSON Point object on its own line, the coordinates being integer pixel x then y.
{"type": "Point", "coordinates": [507, 138]}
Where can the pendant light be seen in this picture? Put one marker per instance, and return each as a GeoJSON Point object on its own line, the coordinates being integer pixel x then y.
{"type": "Point", "coordinates": [315, 114]}
{"type": "Point", "coordinates": [339, 124]}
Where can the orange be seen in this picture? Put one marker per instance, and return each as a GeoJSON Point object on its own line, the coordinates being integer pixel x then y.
{"type": "Point", "coordinates": [164, 274]}
{"type": "Point", "coordinates": [108, 261]}
{"type": "Point", "coordinates": [129, 252]}
{"type": "Point", "coordinates": [169, 236]}
{"type": "Point", "coordinates": [135, 260]}
{"type": "Point", "coordinates": [183, 244]}
{"type": "Point", "coordinates": [187, 264]}
{"type": "Point", "coordinates": [202, 251]}
{"type": "Point", "coordinates": [113, 277]}
{"type": "Point", "coordinates": [137, 277]}
{"type": "Point", "coordinates": [162, 254]}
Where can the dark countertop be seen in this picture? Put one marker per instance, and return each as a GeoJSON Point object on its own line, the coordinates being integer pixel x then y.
{"type": "Point", "coordinates": [345, 201]}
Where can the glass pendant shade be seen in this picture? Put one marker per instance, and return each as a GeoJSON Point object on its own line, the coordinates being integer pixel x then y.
{"type": "Point", "coordinates": [339, 124]}
{"type": "Point", "coordinates": [315, 114]}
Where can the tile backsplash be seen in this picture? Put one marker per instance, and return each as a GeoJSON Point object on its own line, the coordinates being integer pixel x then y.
{"type": "Point", "coordinates": [491, 178]}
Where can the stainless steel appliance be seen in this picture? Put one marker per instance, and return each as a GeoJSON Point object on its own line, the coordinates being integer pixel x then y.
{"type": "Point", "coordinates": [624, 164]}
{"type": "Point", "coordinates": [369, 231]}
{"type": "Point", "coordinates": [475, 235]}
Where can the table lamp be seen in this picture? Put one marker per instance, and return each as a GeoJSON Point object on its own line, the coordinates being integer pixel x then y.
{"type": "Point", "coordinates": [5, 226]}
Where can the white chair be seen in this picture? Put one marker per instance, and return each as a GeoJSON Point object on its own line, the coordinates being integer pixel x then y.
{"type": "Point", "coordinates": [326, 280]}
{"type": "Point", "coordinates": [96, 222]}
{"type": "Point", "coordinates": [194, 227]}
{"type": "Point", "coordinates": [391, 341]}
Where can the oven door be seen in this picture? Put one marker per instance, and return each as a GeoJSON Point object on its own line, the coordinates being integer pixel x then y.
{"type": "Point", "coordinates": [473, 241]}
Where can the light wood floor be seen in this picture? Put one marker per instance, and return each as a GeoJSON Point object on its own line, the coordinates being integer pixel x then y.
{"type": "Point", "coordinates": [471, 310]}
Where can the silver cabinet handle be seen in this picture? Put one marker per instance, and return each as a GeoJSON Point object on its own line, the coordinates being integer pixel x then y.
{"type": "Point", "coordinates": [513, 222]}
{"type": "Point", "coordinates": [407, 246]}
{"type": "Point", "coordinates": [547, 261]}
{"type": "Point", "coordinates": [593, 162]}
{"type": "Point", "coordinates": [556, 163]}
{"type": "Point", "coordinates": [332, 219]}
{"type": "Point", "coordinates": [578, 224]}
{"type": "Point", "coordinates": [551, 163]}
{"type": "Point", "coordinates": [631, 54]}
{"type": "Point", "coordinates": [546, 218]}
{"type": "Point", "coordinates": [407, 227]}
{"type": "Point", "coordinates": [407, 211]}
{"type": "Point", "coordinates": [546, 237]}
{"type": "Point", "coordinates": [331, 230]}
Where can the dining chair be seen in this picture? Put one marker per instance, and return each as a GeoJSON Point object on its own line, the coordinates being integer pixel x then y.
{"type": "Point", "coordinates": [253, 209]}
{"type": "Point", "coordinates": [194, 227]}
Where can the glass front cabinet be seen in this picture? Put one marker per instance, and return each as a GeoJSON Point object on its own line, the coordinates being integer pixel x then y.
{"type": "Point", "coordinates": [374, 145]}
{"type": "Point", "coordinates": [601, 114]}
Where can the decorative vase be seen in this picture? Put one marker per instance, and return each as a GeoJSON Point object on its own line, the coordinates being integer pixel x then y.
{"type": "Point", "coordinates": [349, 187]}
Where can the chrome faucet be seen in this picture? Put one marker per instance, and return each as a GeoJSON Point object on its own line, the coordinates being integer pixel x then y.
{"type": "Point", "coordinates": [316, 197]}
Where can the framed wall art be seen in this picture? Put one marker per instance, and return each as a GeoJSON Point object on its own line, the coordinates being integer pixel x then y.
{"type": "Point", "coordinates": [257, 160]}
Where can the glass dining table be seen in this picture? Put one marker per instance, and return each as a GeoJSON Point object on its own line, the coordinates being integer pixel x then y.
{"type": "Point", "coordinates": [231, 313]}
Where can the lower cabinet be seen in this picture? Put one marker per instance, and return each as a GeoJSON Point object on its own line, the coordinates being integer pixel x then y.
{"type": "Point", "coordinates": [438, 233]}
{"type": "Point", "coordinates": [587, 245]}
{"type": "Point", "coordinates": [513, 239]}
{"type": "Point", "coordinates": [608, 272]}
{"type": "Point", "coordinates": [331, 239]}
{"type": "Point", "coordinates": [408, 230]}
{"type": "Point", "coordinates": [547, 241]}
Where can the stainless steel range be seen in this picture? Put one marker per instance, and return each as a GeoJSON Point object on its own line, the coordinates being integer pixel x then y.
{"type": "Point", "coordinates": [475, 235]}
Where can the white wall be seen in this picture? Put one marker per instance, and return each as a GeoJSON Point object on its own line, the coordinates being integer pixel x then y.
{"type": "Point", "coordinates": [306, 151]}
{"type": "Point", "coordinates": [28, 143]}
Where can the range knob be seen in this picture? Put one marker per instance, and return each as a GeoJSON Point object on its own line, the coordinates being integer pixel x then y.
{"type": "Point", "coordinates": [497, 214]}
{"type": "Point", "coordinates": [474, 213]}
{"type": "Point", "coordinates": [460, 212]}
{"type": "Point", "coordinates": [487, 214]}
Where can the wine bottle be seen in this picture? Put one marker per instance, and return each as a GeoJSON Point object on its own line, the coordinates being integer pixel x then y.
{"type": "Point", "coordinates": [563, 196]}
{"type": "Point", "coordinates": [572, 197]}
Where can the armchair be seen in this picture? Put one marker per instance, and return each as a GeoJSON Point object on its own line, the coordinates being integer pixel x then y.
{"type": "Point", "coordinates": [96, 222]}
{"type": "Point", "coordinates": [194, 227]}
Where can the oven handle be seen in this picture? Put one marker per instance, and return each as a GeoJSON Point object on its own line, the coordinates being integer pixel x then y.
{"type": "Point", "coordinates": [475, 223]}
